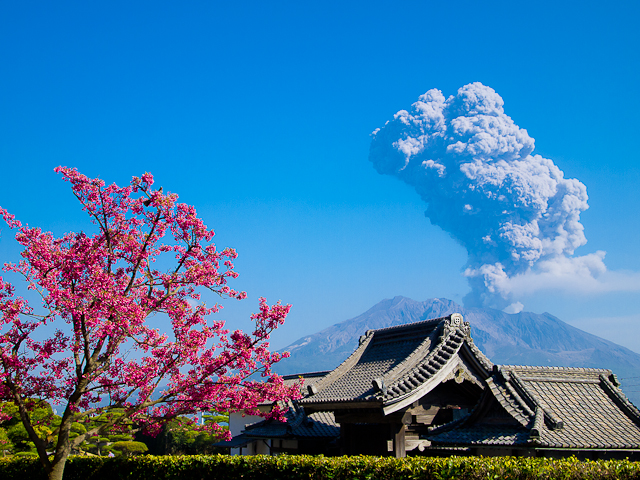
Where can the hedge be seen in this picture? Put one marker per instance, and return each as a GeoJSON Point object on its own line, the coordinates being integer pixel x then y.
{"type": "Point", "coordinates": [295, 467]}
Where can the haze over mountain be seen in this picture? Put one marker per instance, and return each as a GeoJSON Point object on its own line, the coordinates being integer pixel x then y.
{"type": "Point", "coordinates": [523, 338]}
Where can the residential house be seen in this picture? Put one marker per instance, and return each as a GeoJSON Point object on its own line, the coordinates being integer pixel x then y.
{"type": "Point", "coordinates": [426, 389]}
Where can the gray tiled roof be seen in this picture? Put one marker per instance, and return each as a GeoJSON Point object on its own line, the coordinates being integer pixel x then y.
{"type": "Point", "coordinates": [237, 441]}
{"type": "Point", "coordinates": [484, 435]}
{"type": "Point", "coordinates": [587, 403]}
{"type": "Point", "coordinates": [298, 424]}
{"type": "Point", "coordinates": [310, 378]}
{"type": "Point", "coordinates": [553, 407]}
{"type": "Point", "coordinates": [321, 424]}
{"type": "Point", "coordinates": [402, 358]}
{"type": "Point", "coordinates": [557, 407]}
{"type": "Point", "coordinates": [421, 368]}
{"type": "Point", "coordinates": [306, 379]}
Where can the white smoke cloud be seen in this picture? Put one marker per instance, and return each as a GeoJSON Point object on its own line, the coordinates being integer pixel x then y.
{"type": "Point", "coordinates": [514, 212]}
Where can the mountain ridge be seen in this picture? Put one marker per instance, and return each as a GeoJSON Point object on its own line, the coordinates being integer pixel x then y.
{"type": "Point", "coordinates": [523, 338]}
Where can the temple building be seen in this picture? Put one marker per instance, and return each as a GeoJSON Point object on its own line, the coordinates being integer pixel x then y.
{"type": "Point", "coordinates": [426, 389]}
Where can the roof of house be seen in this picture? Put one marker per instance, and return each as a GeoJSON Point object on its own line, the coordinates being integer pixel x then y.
{"type": "Point", "coordinates": [298, 424]}
{"type": "Point", "coordinates": [391, 365]}
{"type": "Point", "coordinates": [309, 378]}
{"type": "Point", "coordinates": [554, 407]}
{"type": "Point", "coordinates": [548, 407]}
{"type": "Point", "coordinates": [236, 442]}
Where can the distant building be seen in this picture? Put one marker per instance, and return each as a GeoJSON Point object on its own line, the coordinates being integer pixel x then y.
{"type": "Point", "coordinates": [301, 433]}
{"type": "Point", "coordinates": [426, 389]}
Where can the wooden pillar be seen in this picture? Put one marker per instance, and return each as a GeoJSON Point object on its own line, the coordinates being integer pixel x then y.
{"type": "Point", "coordinates": [399, 448]}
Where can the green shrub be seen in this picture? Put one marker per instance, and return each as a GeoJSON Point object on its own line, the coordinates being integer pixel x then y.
{"type": "Point", "coordinates": [129, 448]}
{"type": "Point", "coordinates": [27, 454]}
{"type": "Point", "coordinates": [78, 428]}
{"type": "Point", "coordinates": [285, 467]}
{"type": "Point", "coordinates": [122, 437]}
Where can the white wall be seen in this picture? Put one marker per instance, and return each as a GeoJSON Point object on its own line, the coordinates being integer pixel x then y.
{"type": "Point", "coordinates": [237, 423]}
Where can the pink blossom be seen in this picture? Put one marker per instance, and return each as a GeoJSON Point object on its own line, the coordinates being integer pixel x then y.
{"type": "Point", "coordinates": [106, 288]}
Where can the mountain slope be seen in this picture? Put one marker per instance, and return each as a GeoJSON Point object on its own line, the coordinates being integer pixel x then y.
{"type": "Point", "coordinates": [517, 339]}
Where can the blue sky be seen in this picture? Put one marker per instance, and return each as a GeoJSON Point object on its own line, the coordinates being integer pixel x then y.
{"type": "Point", "coordinates": [260, 114]}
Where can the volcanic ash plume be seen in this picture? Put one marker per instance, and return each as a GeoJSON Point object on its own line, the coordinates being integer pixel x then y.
{"type": "Point", "coordinates": [514, 212]}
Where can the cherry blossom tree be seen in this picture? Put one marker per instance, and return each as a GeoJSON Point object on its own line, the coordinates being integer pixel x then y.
{"type": "Point", "coordinates": [94, 345]}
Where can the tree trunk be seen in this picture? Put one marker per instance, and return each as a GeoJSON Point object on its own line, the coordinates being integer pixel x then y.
{"type": "Point", "coordinates": [58, 469]}
{"type": "Point", "coordinates": [56, 466]}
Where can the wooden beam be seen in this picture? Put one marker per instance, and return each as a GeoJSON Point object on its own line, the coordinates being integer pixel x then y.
{"type": "Point", "coordinates": [424, 415]}
{"type": "Point", "coordinates": [399, 447]}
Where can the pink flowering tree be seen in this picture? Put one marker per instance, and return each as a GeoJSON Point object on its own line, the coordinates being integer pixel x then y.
{"type": "Point", "coordinates": [93, 345]}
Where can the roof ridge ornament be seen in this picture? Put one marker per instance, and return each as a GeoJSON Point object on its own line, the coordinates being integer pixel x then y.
{"type": "Point", "coordinates": [379, 385]}
{"type": "Point", "coordinates": [613, 378]}
{"type": "Point", "coordinates": [454, 322]}
{"type": "Point", "coordinates": [456, 319]}
{"type": "Point", "coordinates": [368, 334]}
